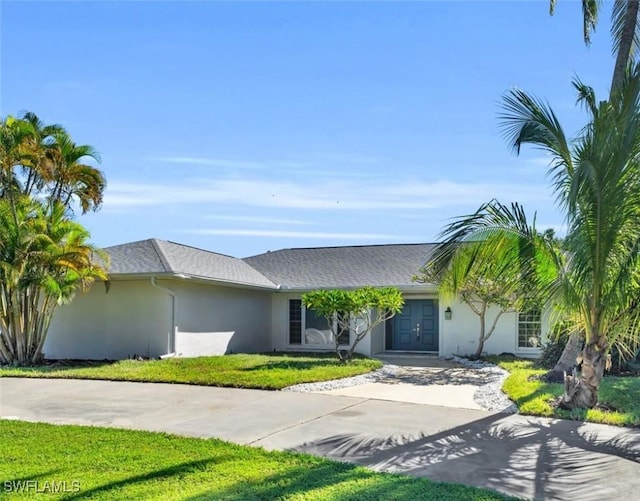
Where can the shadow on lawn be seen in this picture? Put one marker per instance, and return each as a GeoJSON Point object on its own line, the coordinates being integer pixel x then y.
{"type": "Point", "coordinates": [54, 366]}
{"type": "Point", "coordinates": [295, 365]}
{"type": "Point", "coordinates": [176, 471]}
{"type": "Point", "coordinates": [519, 456]}
{"type": "Point", "coordinates": [350, 483]}
{"type": "Point", "coordinates": [45, 475]}
{"type": "Point", "coordinates": [554, 390]}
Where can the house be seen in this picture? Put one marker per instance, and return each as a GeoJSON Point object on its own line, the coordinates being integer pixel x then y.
{"type": "Point", "coordinates": [166, 298]}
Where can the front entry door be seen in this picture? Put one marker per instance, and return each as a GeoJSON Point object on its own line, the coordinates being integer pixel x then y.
{"type": "Point", "coordinates": [415, 328]}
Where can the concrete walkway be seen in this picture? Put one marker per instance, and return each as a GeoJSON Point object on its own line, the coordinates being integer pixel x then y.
{"type": "Point", "coordinates": [523, 456]}
{"type": "Point", "coordinates": [422, 380]}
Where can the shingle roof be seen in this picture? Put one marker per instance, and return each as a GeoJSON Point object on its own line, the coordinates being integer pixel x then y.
{"type": "Point", "coordinates": [355, 266]}
{"type": "Point", "coordinates": [159, 256]}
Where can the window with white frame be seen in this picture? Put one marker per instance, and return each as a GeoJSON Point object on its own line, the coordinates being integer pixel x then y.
{"type": "Point", "coordinates": [295, 321]}
{"type": "Point", "coordinates": [529, 328]}
{"type": "Point", "coordinates": [305, 327]}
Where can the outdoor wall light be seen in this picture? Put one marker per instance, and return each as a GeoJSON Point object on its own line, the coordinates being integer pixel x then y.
{"type": "Point", "coordinates": [447, 313]}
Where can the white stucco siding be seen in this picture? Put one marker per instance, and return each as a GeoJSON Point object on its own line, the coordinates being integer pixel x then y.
{"type": "Point", "coordinates": [377, 339]}
{"type": "Point", "coordinates": [133, 318]}
{"type": "Point", "coordinates": [216, 320]}
{"type": "Point", "coordinates": [459, 336]}
{"type": "Point", "coordinates": [280, 320]}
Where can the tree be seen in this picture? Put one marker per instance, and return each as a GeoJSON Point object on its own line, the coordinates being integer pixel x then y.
{"type": "Point", "coordinates": [596, 180]}
{"type": "Point", "coordinates": [70, 177]}
{"type": "Point", "coordinates": [485, 280]}
{"type": "Point", "coordinates": [358, 311]}
{"type": "Point", "coordinates": [568, 357]}
{"type": "Point", "coordinates": [597, 183]}
{"type": "Point", "coordinates": [626, 40]}
{"type": "Point", "coordinates": [42, 161]}
{"type": "Point", "coordinates": [624, 31]}
{"type": "Point", "coordinates": [45, 256]}
{"type": "Point", "coordinates": [44, 259]}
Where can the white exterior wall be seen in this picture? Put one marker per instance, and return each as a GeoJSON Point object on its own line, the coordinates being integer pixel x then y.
{"type": "Point", "coordinates": [215, 320]}
{"type": "Point", "coordinates": [378, 339]}
{"type": "Point", "coordinates": [459, 336]}
{"type": "Point", "coordinates": [133, 318]}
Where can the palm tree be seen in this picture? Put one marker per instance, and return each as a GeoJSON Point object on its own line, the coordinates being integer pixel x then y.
{"type": "Point", "coordinates": [70, 178]}
{"type": "Point", "coordinates": [596, 180]}
{"type": "Point", "coordinates": [44, 259]}
{"type": "Point", "coordinates": [16, 149]}
{"type": "Point", "coordinates": [36, 167]}
{"type": "Point", "coordinates": [42, 161]}
{"type": "Point", "coordinates": [45, 256]}
{"type": "Point", "coordinates": [488, 276]}
{"type": "Point", "coordinates": [624, 31]}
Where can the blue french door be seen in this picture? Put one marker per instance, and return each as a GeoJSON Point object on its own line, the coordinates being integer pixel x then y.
{"type": "Point", "coordinates": [415, 328]}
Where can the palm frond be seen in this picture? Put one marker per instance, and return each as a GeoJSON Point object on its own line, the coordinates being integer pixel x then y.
{"type": "Point", "coordinates": [590, 10]}
{"type": "Point", "coordinates": [620, 22]}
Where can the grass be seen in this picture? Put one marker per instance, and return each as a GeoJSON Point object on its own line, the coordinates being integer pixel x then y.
{"type": "Point", "coordinates": [534, 397]}
{"type": "Point", "coordinates": [111, 464]}
{"type": "Point", "coordinates": [268, 371]}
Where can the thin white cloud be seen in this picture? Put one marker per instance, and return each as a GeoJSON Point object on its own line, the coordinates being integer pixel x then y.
{"type": "Point", "coordinates": [349, 158]}
{"type": "Point", "coordinates": [294, 234]}
{"type": "Point", "coordinates": [214, 162]}
{"type": "Point", "coordinates": [259, 220]}
{"type": "Point", "coordinates": [543, 161]}
{"type": "Point", "coordinates": [322, 194]}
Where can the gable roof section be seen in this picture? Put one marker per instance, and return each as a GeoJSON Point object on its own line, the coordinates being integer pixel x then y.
{"type": "Point", "coordinates": [343, 267]}
{"type": "Point", "coordinates": [149, 257]}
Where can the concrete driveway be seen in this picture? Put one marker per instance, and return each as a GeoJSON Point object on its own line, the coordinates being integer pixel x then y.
{"type": "Point", "coordinates": [523, 456]}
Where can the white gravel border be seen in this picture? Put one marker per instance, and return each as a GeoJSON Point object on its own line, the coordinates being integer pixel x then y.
{"type": "Point", "coordinates": [489, 396]}
{"type": "Point", "coordinates": [371, 377]}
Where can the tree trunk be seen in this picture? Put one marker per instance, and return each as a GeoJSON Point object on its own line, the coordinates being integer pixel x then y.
{"type": "Point", "coordinates": [479, 349]}
{"type": "Point", "coordinates": [567, 360]}
{"type": "Point", "coordinates": [482, 337]}
{"type": "Point", "coordinates": [582, 392]}
{"type": "Point", "coordinates": [626, 41]}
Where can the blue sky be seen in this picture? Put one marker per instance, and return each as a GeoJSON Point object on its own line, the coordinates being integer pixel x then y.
{"type": "Point", "coordinates": [242, 127]}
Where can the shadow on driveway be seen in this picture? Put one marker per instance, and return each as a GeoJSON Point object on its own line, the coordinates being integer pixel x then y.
{"type": "Point", "coordinates": [528, 457]}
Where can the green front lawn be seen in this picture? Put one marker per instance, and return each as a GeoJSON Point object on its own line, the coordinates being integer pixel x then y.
{"type": "Point", "coordinates": [110, 464]}
{"type": "Point", "coordinates": [534, 397]}
{"type": "Point", "coordinates": [269, 371]}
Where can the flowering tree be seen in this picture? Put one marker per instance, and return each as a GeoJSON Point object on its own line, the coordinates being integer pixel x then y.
{"type": "Point", "coordinates": [358, 311]}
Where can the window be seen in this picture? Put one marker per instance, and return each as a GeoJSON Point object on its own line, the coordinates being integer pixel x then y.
{"type": "Point", "coordinates": [529, 328]}
{"type": "Point", "coordinates": [315, 328]}
{"type": "Point", "coordinates": [295, 321]}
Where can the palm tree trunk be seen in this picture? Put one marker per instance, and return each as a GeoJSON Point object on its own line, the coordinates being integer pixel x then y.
{"type": "Point", "coordinates": [567, 360]}
{"type": "Point", "coordinates": [626, 42]}
{"type": "Point", "coordinates": [582, 392]}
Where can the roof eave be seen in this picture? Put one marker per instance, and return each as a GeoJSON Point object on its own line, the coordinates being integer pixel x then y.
{"type": "Point", "coordinates": [408, 288]}
{"type": "Point", "coordinates": [195, 278]}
